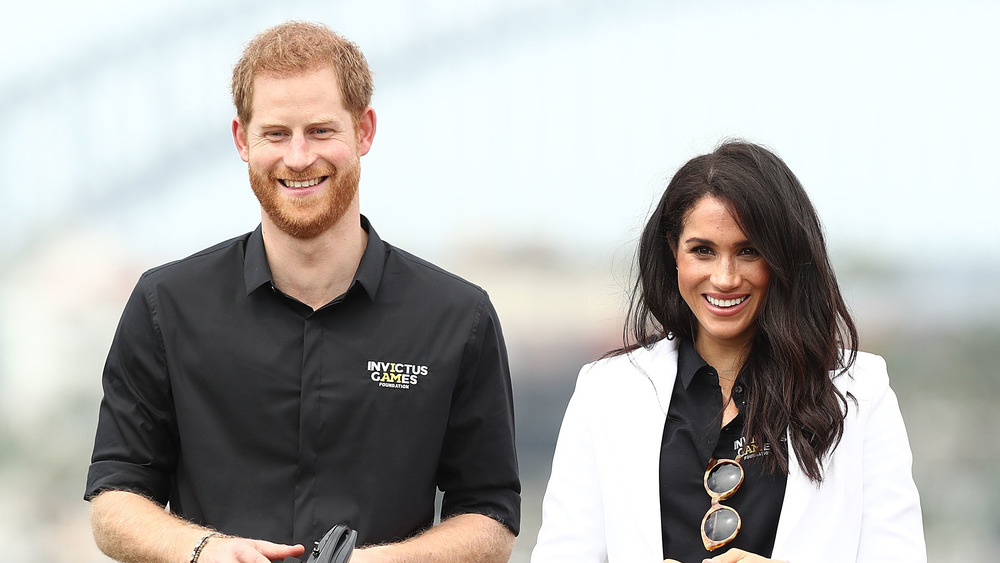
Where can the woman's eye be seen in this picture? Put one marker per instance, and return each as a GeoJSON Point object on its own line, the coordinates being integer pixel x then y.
{"type": "Point", "coordinates": [701, 250]}
{"type": "Point", "coordinates": [749, 251]}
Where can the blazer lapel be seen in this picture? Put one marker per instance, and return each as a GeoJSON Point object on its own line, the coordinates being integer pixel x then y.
{"type": "Point", "coordinates": [799, 490]}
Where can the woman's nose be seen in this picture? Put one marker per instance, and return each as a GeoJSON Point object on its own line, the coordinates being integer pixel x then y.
{"type": "Point", "coordinates": [726, 275]}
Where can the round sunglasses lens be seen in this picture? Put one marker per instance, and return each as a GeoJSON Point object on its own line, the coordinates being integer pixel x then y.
{"type": "Point", "coordinates": [722, 524]}
{"type": "Point", "coordinates": [724, 477]}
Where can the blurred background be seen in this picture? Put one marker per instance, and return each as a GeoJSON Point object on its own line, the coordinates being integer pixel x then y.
{"type": "Point", "coordinates": [521, 144]}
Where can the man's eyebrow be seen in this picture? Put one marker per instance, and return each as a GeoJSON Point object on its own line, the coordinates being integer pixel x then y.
{"type": "Point", "coordinates": [267, 125]}
{"type": "Point", "coordinates": [322, 120]}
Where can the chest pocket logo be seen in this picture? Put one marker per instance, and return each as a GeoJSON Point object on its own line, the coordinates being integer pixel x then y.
{"type": "Point", "coordinates": [396, 375]}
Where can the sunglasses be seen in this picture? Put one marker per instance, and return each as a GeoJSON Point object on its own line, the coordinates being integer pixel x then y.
{"type": "Point", "coordinates": [721, 523]}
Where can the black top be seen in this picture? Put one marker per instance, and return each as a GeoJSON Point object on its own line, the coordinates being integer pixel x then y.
{"type": "Point", "coordinates": [250, 413]}
{"type": "Point", "coordinates": [691, 438]}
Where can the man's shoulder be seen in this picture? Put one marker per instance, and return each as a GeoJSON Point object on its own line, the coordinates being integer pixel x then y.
{"type": "Point", "coordinates": [204, 262]}
{"type": "Point", "coordinates": [409, 268]}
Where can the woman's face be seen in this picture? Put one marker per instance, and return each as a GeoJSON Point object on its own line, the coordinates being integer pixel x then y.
{"type": "Point", "coordinates": [722, 277]}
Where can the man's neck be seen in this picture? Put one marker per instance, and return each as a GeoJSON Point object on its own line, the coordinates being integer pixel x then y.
{"type": "Point", "coordinates": [315, 271]}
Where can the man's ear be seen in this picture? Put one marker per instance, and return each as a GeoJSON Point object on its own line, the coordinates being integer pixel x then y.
{"type": "Point", "coordinates": [240, 138]}
{"type": "Point", "coordinates": [366, 131]}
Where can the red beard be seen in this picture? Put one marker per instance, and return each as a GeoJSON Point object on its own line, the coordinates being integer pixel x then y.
{"type": "Point", "coordinates": [307, 217]}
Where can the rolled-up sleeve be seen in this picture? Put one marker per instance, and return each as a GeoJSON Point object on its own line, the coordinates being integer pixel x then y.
{"type": "Point", "coordinates": [478, 470]}
{"type": "Point", "coordinates": [135, 446]}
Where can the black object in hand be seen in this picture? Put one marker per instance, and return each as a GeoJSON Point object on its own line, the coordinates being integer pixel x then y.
{"type": "Point", "coordinates": [335, 547]}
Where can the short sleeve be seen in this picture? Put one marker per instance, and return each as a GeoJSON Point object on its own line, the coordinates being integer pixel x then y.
{"type": "Point", "coordinates": [478, 467]}
{"type": "Point", "coordinates": [135, 446]}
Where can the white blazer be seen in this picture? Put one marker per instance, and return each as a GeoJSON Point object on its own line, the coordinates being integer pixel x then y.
{"type": "Point", "coordinates": [603, 503]}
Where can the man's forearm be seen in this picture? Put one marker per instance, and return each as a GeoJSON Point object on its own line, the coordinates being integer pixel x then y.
{"type": "Point", "coordinates": [466, 538]}
{"type": "Point", "coordinates": [131, 528]}
{"type": "Point", "coordinates": [134, 529]}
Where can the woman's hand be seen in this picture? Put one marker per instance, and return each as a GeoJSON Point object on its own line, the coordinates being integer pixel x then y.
{"type": "Point", "coordinates": [734, 556]}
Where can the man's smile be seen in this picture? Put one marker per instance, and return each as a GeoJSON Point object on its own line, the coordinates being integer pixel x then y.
{"type": "Point", "coordinates": [302, 183]}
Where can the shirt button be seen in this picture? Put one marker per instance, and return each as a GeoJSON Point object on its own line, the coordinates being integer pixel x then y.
{"type": "Point", "coordinates": [738, 389]}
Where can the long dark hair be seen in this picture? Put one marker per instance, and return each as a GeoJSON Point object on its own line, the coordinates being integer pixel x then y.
{"type": "Point", "coordinates": [804, 329]}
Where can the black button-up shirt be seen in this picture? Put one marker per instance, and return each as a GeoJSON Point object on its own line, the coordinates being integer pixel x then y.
{"type": "Point", "coordinates": [692, 436]}
{"type": "Point", "coordinates": [247, 411]}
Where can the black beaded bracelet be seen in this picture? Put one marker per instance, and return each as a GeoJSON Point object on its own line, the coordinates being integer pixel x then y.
{"type": "Point", "coordinates": [201, 545]}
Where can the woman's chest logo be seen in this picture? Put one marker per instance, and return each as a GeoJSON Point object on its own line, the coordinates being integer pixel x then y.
{"type": "Point", "coordinates": [745, 450]}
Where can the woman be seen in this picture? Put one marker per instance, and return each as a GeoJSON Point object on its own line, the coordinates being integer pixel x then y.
{"type": "Point", "coordinates": [738, 422]}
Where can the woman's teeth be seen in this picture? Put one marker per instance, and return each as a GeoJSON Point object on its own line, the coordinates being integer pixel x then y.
{"type": "Point", "coordinates": [726, 302]}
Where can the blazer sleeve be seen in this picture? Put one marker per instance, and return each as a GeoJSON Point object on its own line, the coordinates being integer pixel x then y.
{"type": "Point", "coordinates": [891, 523]}
{"type": "Point", "coordinates": [572, 529]}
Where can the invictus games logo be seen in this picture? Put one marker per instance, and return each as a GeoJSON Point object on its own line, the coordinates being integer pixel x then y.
{"type": "Point", "coordinates": [396, 375]}
{"type": "Point", "coordinates": [750, 450]}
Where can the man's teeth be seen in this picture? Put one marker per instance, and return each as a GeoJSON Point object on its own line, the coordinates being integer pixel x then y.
{"type": "Point", "coordinates": [303, 183]}
{"type": "Point", "coordinates": [726, 302]}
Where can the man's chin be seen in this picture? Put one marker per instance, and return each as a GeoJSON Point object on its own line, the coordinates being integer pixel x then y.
{"type": "Point", "coordinates": [308, 217]}
{"type": "Point", "coordinates": [304, 230]}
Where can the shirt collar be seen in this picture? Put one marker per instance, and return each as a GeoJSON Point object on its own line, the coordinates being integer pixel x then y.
{"type": "Point", "coordinates": [372, 265]}
{"type": "Point", "coordinates": [257, 272]}
{"type": "Point", "coordinates": [689, 361]}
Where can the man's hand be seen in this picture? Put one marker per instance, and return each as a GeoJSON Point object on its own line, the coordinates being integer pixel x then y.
{"type": "Point", "coordinates": [220, 549]}
{"type": "Point", "coordinates": [134, 529]}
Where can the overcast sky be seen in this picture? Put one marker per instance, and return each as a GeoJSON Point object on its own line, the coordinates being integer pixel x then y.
{"type": "Point", "coordinates": [527, 122]}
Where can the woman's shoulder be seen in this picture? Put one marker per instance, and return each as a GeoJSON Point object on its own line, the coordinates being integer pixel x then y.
{"type": "Point", "coordinates": [867, 377]}
{"type": "Point", "coordinates": [635, 358]}
{"type": "Point", "coordinates": [641, 364]}
{"type": "Point", "coordinates": [626, 386]}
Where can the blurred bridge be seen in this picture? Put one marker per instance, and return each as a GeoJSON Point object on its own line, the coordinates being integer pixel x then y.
{"type": "Point", "coordinates": [127, 117]}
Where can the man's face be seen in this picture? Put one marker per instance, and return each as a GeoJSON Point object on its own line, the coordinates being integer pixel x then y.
{"type": "Point", "coordinates": [303, 151]}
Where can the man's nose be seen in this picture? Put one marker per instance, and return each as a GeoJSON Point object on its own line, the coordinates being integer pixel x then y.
{"type": "Point", "coordinates": [300, 154]}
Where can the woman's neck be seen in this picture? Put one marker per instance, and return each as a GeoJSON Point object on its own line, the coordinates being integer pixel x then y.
{"type": "Point", "coordinates": [727, 359]}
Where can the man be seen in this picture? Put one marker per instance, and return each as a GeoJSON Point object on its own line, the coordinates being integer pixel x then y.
{"type": "Point", "coordinates": [308, 373]}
